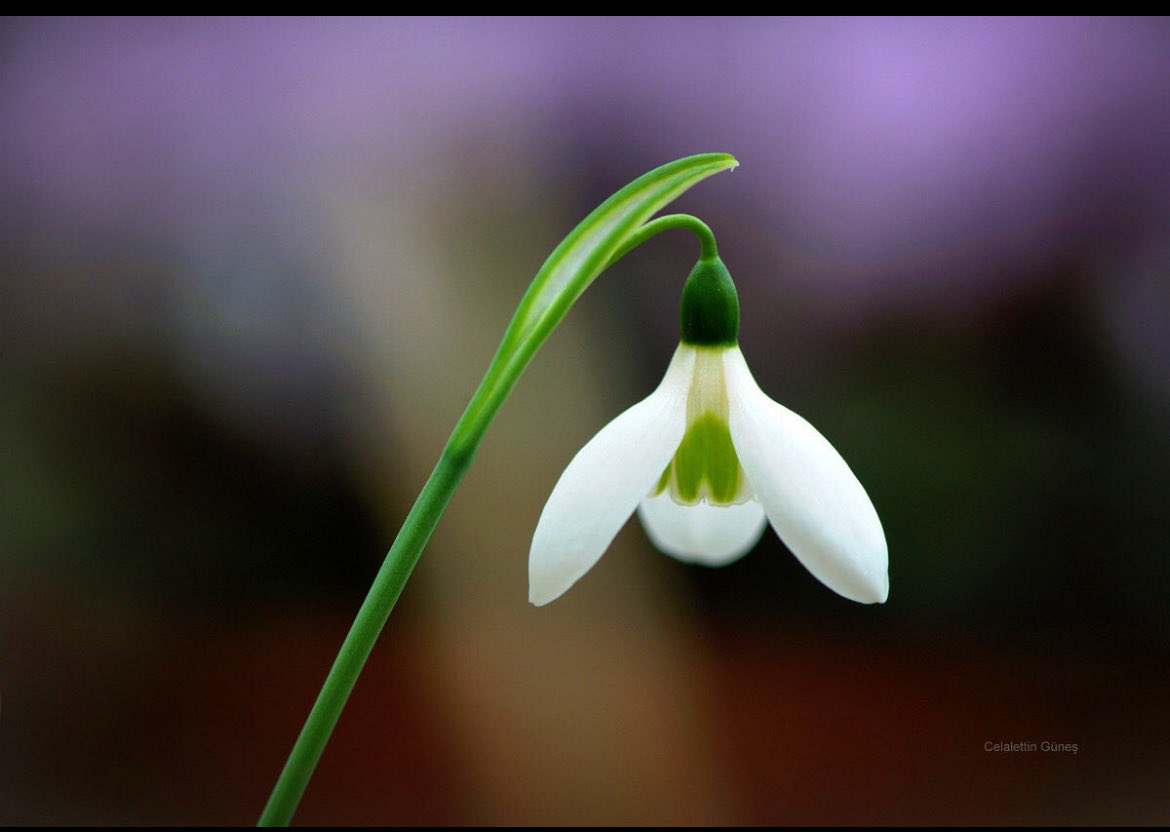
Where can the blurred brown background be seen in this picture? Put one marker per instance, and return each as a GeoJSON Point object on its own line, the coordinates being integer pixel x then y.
{"type": "Point", "coordinates": [253, 269]}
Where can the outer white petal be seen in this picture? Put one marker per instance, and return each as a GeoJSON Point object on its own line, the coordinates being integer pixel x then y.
{"type": "Point", "coordinates": [812, 499]}
{"type": "Point", "coordinates": [605, 482]}
{"type": "Point", "coordinates": [703, 533]}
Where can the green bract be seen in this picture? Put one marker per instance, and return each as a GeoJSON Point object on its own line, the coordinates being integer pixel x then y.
{"type": "Point", "coordinates": [600, 239]}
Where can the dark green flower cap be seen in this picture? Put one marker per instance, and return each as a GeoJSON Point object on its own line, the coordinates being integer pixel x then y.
{"type": "Point", "coordinates": [710, 306]}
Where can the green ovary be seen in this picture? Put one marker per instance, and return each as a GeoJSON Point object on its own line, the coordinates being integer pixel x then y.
{"type": "Point", "coordinates": [705, 467]}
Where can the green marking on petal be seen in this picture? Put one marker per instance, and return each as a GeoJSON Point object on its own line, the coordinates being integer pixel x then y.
{"type": "Point", "coordinates": [705, 465]}
{"type": "Point", "coordinates": [663, 481]}
{"type": "Point", "coordinates": [706, 453]}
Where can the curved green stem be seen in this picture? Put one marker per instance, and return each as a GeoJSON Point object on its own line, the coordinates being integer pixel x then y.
{"type": "Point", "coordinates": [707, 248]}
{"type": "Point", "coordinates": [613, 229]}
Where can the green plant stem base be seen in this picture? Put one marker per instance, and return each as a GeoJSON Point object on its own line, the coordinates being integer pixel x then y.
{"type": "Point", "coordinates": [371, 618]}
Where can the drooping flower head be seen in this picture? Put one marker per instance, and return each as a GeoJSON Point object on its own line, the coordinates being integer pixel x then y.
{"type": "Point", "coordinates": [708, 460]}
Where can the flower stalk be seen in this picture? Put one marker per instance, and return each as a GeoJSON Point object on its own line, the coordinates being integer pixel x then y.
{"type": "Point", "coordinates": [618, 225]}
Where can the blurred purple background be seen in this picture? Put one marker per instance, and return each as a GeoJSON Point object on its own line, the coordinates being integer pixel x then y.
{"type": "Point", "coordinates": [253, 270]}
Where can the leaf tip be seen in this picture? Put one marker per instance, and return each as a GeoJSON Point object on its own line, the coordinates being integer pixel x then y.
{"type": "Point", "coordinates": [730, 163]}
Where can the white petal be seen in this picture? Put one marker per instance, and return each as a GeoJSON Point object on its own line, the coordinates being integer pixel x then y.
{"type": "Point", "coordinates": [702, 533]}
{"type": "Point", "coordinates": [812, 499]}
{"type": "Point", "coordinates": [605, 482]}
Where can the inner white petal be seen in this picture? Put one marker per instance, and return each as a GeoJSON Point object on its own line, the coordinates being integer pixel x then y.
{"type": "Point", "coordinates": [705, 468]}
{"type": "Point", "coordinates": [702, 533]}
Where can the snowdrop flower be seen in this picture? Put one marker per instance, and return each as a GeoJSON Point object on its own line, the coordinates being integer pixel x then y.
{"type": "Point", "coordinates": [708, 460]}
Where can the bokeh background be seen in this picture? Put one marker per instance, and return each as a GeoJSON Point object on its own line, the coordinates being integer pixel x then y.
{"type": "Point", "coordinates": [251, 271]}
